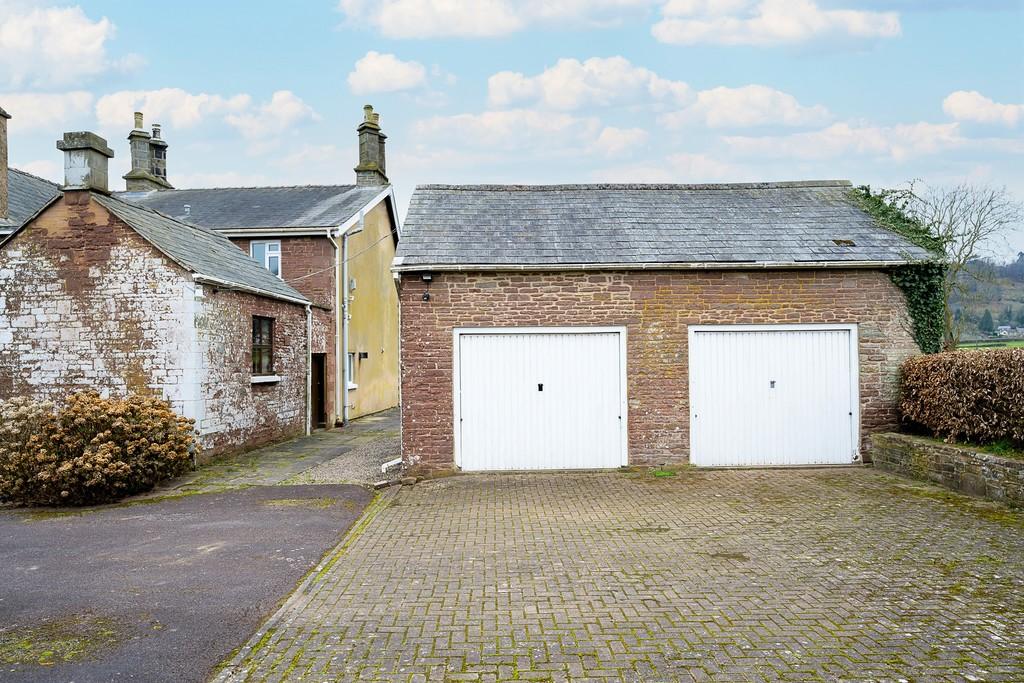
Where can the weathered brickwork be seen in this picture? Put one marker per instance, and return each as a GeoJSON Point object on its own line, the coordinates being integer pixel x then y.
{"type": "Point", "coordinates": [237, 412]}
{"type": "Point", "coordinates": [307, 264]}
{"type": "Point", "coordinates": [86, 303]}
{"type": "Point", "coordinates": [656, 308]}
{"type": "Point", "coordinates": [957, 467]}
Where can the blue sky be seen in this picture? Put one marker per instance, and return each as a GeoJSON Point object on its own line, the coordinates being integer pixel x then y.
{"type": "Point", "coordinates": [531, 91]}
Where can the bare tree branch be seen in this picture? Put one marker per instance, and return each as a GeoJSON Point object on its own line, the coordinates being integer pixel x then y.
{"type": "Point", "coordinates": [967, 220]}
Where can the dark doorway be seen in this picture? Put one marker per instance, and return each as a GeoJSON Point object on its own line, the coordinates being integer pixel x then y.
{"type": "Point", "coordinates": [319, 382]}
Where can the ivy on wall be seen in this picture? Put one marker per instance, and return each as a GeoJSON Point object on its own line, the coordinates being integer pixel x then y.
{"type": "Point", "coordinates": [922, 282]}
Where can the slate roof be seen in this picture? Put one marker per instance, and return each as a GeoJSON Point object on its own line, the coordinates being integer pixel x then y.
{"type": "Point", "coordinates": [28, 195]}
{"type": "Point", "coordinates": [199, 250]}
{"type": "Point", "coordinates": [225, 208]}
{"type": "Point", "coordinates": [643, 226]}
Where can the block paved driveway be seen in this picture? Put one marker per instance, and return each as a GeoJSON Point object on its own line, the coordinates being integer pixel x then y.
{"type": "Point", "coordinates": [842, 574]}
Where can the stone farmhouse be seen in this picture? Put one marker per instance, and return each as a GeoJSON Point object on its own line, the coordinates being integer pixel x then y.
{"type": "Point", "coordinates": [239, 305]}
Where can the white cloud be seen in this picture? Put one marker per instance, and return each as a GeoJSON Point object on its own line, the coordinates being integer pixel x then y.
{"type": "Point", "coordinates": [284, 110]}
{"type": "Point", "coordinates": [53, 46]}
{"type": "Point", "coordinates": [524, 132]}
{"type": "Point", "coordinates": [377, 72]}
{"type": "Point", "coordinates": [750, 105]}
{"type": "Point", "coordinates": [182, 109]}
{"type": "Point", "coordinates": [509, 130]}
{"type": "Point", "coordinates": [571, 84]}
{"type": "Point", "coordinates": [971, 105]}
{"type": "Point", "coordinates": [898, 143]}
{"type": "Point", "coordinates": [480, 18]}
{"type": "Point", "coordinates": [615, 142]}
{"type": "Point", "coordinates": [34, 111]}
{"type": "Point", "coordinates": [768, 22]}
{"type": "Point", "coordinates": [172, 106]}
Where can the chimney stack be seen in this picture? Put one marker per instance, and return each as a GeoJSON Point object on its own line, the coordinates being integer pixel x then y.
{"type": "Point", "coordinates": [158, 155]}
{"type": "Point", "coordinates": [372, 169]}
{"type": "Point", "coordinates": [4, 187]}
{"type": "Point", "coordinates": [85, 161]}
{"type": "Point", "coordinates": [149, 159]}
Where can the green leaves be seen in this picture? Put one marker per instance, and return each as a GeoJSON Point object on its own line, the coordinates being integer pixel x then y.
{"type": "Point", "coordinates": [920, 282]}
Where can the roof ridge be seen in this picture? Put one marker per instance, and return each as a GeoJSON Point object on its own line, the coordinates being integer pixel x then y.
{"type": "Point", "coordinates": [34, 177]}
{"type": "Point", "coordinates": [638, 186]}
{"type": "Point", "coordinates": [143, 207]}
{"type": "Point", "coordinates": [251, 187]}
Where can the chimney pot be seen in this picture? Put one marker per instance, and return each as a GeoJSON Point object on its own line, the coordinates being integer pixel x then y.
{"type": "Point", "coordinates": [148, 157]}
{"type": "Point", "coordinates": [85, 161]}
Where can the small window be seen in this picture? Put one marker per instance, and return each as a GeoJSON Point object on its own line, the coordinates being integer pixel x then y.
{"type": "Point", "coordinates": [262, 345]}
{"type": "Point", "coordinates": [351, 370]}
{"type": "Point", "coordinates": [267, 254]}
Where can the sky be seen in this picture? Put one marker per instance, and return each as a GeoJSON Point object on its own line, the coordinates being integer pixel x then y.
{"type": "Point", "coordinates": [880, 92]}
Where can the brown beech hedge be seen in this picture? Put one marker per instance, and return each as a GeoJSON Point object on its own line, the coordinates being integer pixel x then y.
{"type": "Point", "coordinates": [975, 396]}
{"type": "Point", "coordinates": [91, 450]}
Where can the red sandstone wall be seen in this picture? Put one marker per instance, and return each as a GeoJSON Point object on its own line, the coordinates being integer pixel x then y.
{"type": "Point", "coordinates": [307, 264]}
{"type": "Point", "coordinates": [237, 412]}
{"type": "Point", "coordinates": [656, 308]}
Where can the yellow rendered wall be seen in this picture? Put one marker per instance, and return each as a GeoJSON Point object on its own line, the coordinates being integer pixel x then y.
{"type": "Point", "coordinates": [373, 328]}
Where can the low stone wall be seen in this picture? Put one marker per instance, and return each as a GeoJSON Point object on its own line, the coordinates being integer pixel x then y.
{"type": "Point", "coordinates": [960, 468]}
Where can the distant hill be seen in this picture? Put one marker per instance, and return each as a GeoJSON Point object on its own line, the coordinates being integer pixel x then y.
{"type": "Point", "coordinates": [996, 288]}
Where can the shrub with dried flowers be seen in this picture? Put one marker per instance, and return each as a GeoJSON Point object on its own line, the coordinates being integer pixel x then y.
{"type": "Point", "coordinates": [91, 450]}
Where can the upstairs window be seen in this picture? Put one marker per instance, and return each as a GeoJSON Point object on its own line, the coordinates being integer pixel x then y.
{"type": "Point", "coordinates": [262, 345]}
{"type": "Point", "coordinates": [267, 254]}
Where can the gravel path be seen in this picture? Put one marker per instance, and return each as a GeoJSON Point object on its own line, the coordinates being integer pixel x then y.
{"type": "Point", "coordinates": [361, 465]}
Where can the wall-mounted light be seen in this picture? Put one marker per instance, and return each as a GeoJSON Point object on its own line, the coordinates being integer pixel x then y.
{"type": "Point", "coordinates": [427, 277]}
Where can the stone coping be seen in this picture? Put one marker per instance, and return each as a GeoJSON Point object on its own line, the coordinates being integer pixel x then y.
{"type": "Point", "coordinates": [961, 468]}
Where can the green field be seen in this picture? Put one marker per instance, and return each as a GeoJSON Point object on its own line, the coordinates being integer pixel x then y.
{"type": "Point", "coordinates": [994, 344]}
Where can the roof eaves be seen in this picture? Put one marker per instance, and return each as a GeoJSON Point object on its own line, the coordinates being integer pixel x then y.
{"type": "Point", "coordinates": [387, 193]}
{"type": "Point", "coordinates": [399, 266]}
{"type": "Point", "coordinates": [6, 238]}
{"type": "Point", "coordinates": [106, 201]}
{"type": "Point", "coordinates": [788, 184]}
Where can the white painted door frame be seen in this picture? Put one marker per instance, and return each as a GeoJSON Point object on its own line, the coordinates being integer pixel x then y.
{"type": "Point", "coordinates": [623, 390]}
{"type": "Point", "coordinates": [852, 328]}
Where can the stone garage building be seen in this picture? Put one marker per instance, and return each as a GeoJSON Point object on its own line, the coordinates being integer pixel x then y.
{"type": "Point", "coordinates": [97, 293]}
{"type": "Point", "coordinates": [558, 327]}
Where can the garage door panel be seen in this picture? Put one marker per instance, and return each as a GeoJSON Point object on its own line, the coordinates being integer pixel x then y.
{"type": "Point", "coordinates": [772, 396]}
{"type": "Point", "coordinates": [539, 400]}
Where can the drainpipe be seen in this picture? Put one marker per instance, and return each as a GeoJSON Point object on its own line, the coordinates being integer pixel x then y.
{"type": "Point", "coordinates": [337, 336]}
{"type": "Point", "coordinates": [345, 303]}
{"type": "Point", "coordinates": [309, 369]}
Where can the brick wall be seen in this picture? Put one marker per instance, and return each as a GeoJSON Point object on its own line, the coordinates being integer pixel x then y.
{"type": "Point", "coordinates": [957, 467]}
{"type": "Point", "coordinates": [86, 303]}
{"type": "Point", "coordinates": [307, 264]}
{"type": "Point", "coordinates": [237, 413]}
{"type": "Point", "coordinates": [656, 308]}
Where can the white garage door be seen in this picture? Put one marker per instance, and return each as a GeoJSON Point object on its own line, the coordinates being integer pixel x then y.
{"type": "Point", "coordinates": [773, 395]}
{"type": "Point", "coordinates": [530, 399]}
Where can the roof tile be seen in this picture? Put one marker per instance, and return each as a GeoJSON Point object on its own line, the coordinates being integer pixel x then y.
{"type": "Point", "coordinates": [518, 225]}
